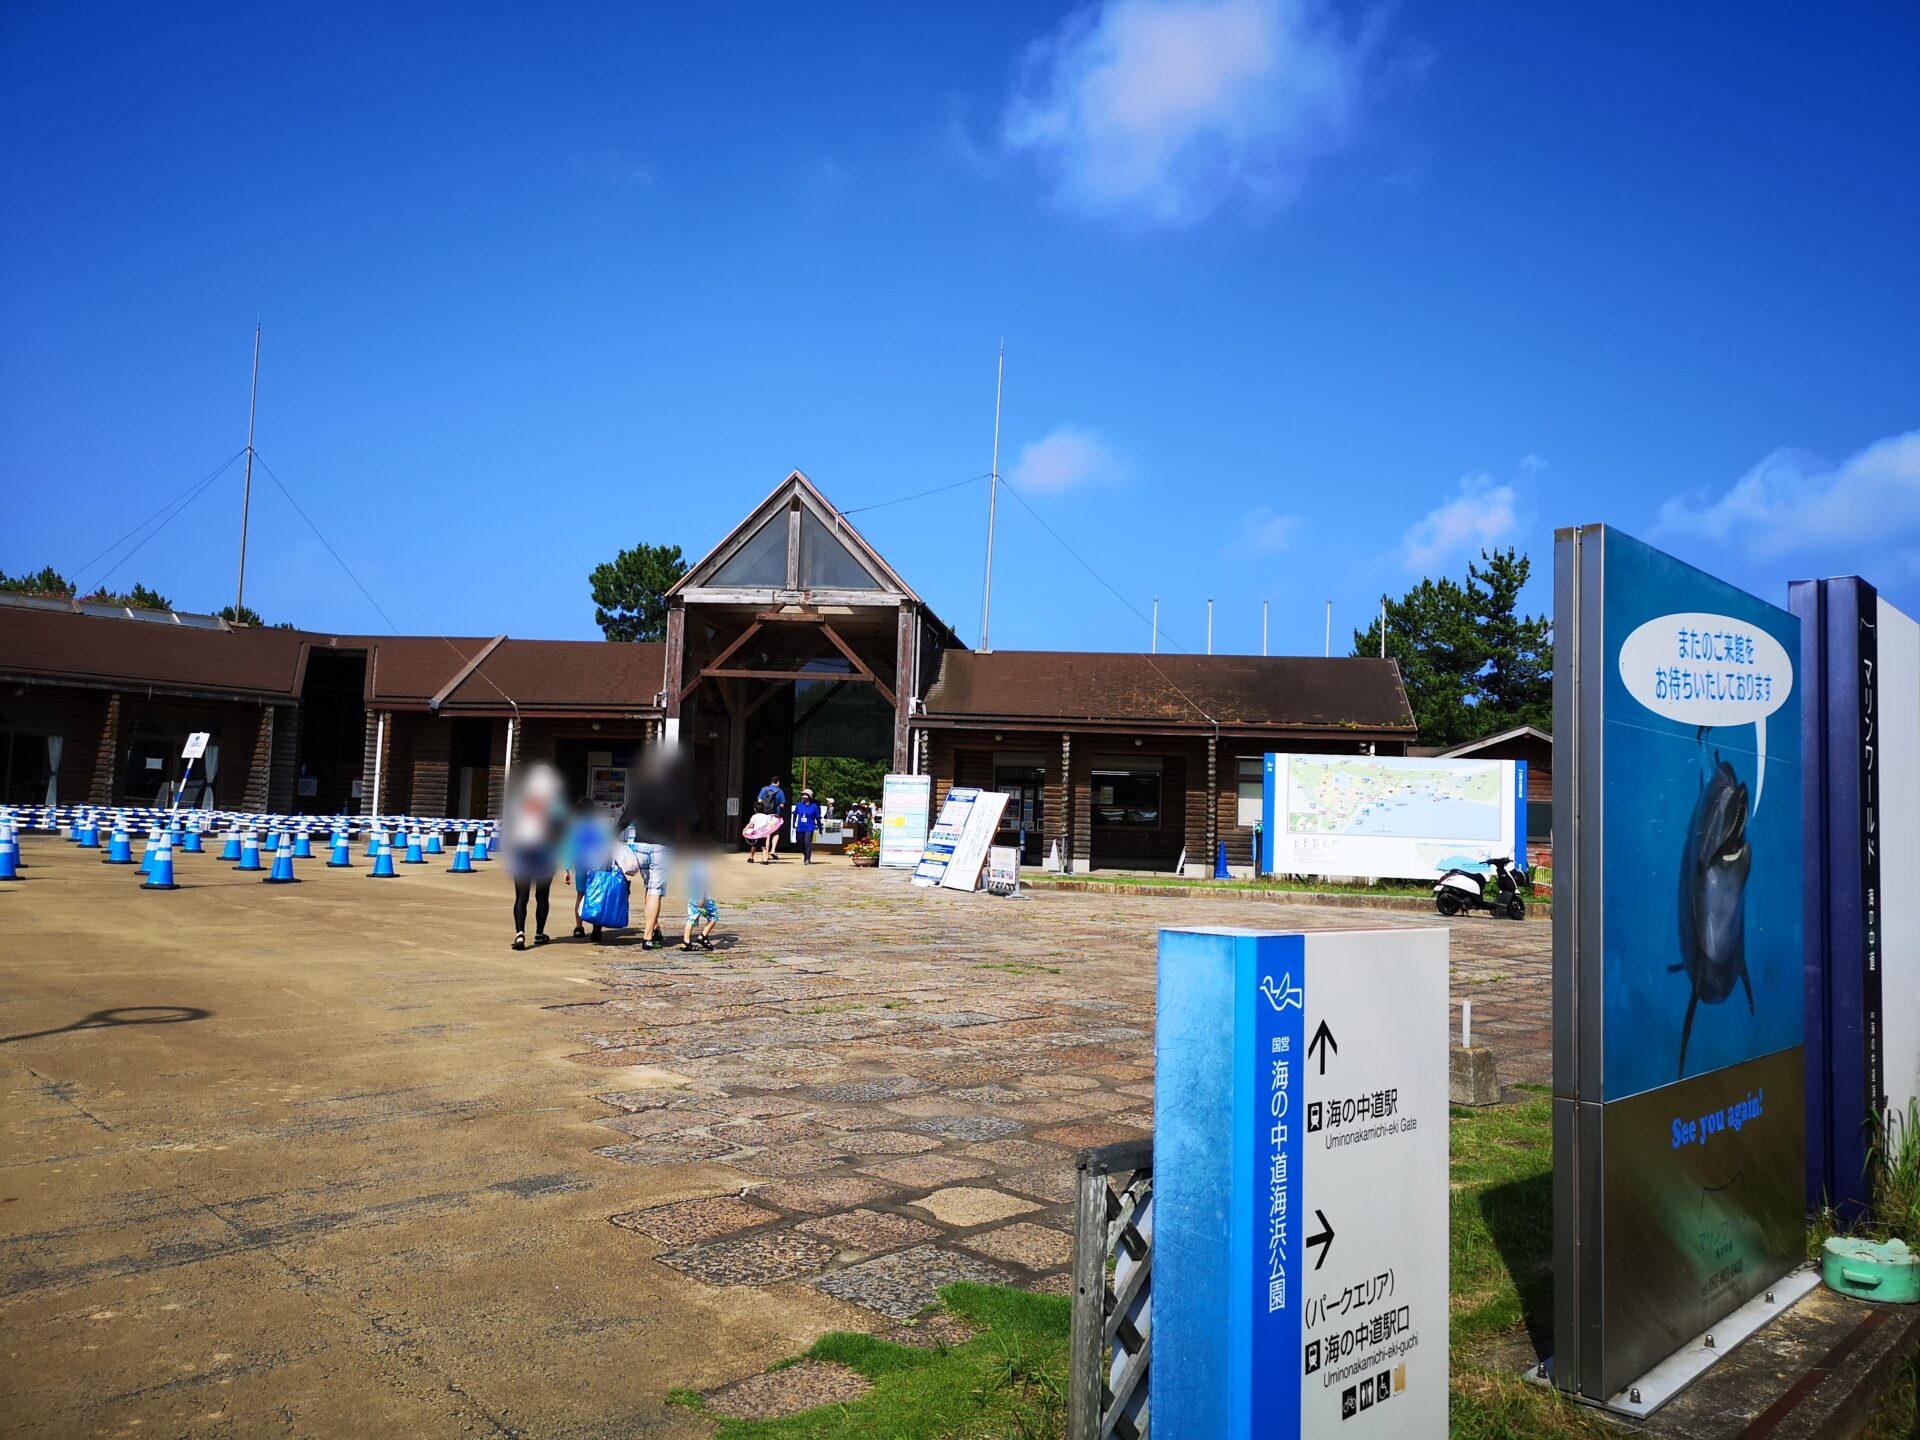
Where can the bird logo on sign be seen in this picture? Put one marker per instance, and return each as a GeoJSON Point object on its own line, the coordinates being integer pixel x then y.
{"type": "Point", "coordinates": [1284, 996]}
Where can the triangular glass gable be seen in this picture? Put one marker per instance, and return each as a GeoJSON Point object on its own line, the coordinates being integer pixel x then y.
{"type": "Point", "coordinates": [825, 561]}
{"type": "Point", "coordinates": [761, 563]}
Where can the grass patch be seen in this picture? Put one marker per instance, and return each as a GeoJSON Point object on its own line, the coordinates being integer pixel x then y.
{"type": "Point", "coordinates": [1291, 887]}
{"type": "Point", "coordinates": [1008, 1380]}
{"type": "Point", "coordinates": [1898, 1417]}
{"type": "Point", "coordinates": [1014, 967]}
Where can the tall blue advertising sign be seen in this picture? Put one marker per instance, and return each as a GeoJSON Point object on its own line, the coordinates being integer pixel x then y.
{"type": "Point", "coordinates": [1300, 1185]}
{"type": "Point", "coordinates": [1678, 986]}
{"type": "Point", "coordinates": [1860, 724]}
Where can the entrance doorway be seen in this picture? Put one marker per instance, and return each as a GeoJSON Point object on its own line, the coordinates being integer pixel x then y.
{"type": "Point", "coordinates": [1023, 821]}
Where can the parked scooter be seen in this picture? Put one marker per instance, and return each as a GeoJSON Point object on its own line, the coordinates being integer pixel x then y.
{"type": "Point", "coordinates": [1459, 891]}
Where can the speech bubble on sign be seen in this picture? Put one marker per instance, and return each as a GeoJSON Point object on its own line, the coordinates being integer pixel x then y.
{"type": "Point", "coordinates": [1703, 669]}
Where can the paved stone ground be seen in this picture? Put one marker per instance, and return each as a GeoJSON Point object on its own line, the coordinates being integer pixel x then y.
{"type": "Point", "coordinates": [385, 1176]}
{"type": "Point", "coordinates": [901, 1077]}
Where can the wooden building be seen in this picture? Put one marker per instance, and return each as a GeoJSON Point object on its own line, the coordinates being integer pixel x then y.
{"type": "Point", "coordinates": [792, 636]}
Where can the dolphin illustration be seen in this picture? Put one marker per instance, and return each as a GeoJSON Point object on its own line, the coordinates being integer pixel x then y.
{"type": "Point", "coordinates": [1713, 891]}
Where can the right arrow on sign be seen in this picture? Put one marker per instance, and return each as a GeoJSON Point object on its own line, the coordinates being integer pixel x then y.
{"type": "Point", "coordinates": [1324, 1239]}
{"type": "Point", "coordinates": [1323, 1041]}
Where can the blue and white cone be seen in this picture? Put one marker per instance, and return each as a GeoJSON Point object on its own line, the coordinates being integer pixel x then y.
{"type": "Point", "coordinates": [119, 848]}
{"type": "Point", "coordinates": [250, 853]}
{"type": "Point", "coordinates": [282, 864]}
{"type": "Point", "coordinates": [230, 848]}
{"type": "Point", "coordinates": [480, 846]}
{"type": "Point", "coordinates": [160, 865]}
{"type": "Point", "coordinates": [9, 854]}
{"type": "Point", "coordinates": [435, 845]}
{"type": "Point", "coordinates": [303, 846]}
{"type": "Point", "coordinates": [462, 857]}
{"type": "Point", "coordinates": [90, 834]}
{"type": "Point", "coordinates": [382, 861]}
{"type": "Point", "coordinates": [342, 857]}
{"type": "Point", "coordinates": [146, 850]}
{"type": "Point", "coordinates": [414, 857]}
{"type": "Point", "coordinates": [192, 845]}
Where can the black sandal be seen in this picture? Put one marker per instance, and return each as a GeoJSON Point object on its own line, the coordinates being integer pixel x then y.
{"type": "Point", "coordinates": [578, 930]}
{"type": "Point", "coordinates": [520, 941]}
{"type": "Point", "coordinates": [543, 939]}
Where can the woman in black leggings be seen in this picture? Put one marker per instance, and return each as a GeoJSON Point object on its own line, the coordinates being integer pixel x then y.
{"type": "Point", "coordinates": [535, 815]}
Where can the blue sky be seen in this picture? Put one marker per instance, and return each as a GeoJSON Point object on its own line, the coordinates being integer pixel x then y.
{"type": "Point", "coordinates": [1300, 302]}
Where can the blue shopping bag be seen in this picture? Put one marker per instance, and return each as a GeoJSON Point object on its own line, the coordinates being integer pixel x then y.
{"type": "Point", "coordinates": [606, 900]}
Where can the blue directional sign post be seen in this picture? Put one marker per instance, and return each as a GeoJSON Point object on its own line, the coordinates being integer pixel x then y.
{"type": "Point", "coordinates": [1300, 1184]}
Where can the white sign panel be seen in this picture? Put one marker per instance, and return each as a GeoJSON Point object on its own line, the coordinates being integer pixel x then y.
{"type": "Point", "coordinates": [1003, 869]}
{"type": "Point", "coordinates": [1898, 816]}
{"type": "Point", "coordinates": [905, 803]}
{"type": "Point", "coordinates": [983, 821]}
{"type": "Point", "coordinates": [1300, 1190]}
{"type": "Point", "coordinates": [196, 746]}
{"type": "Point", "coordinates": [1391, 817]}
{"type": "Point", "coordinates": [944, 836]}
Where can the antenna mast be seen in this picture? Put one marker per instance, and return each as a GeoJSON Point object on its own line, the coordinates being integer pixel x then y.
{"type": "Point", "coordinates": [246, 489]}
{"type": "Point", "coordinates": [993, 501]}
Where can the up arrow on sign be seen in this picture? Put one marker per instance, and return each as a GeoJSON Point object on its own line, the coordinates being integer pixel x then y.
{"type": "Point", "coordinates": [1323, 1041]}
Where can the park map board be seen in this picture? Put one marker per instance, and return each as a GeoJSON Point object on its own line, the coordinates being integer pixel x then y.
{"type": "Point", "coordinates": [1389, 817]}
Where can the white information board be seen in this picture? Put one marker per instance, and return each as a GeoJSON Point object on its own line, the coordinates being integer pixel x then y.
{"type": "Point", "coordinates": [905, 803]}
{"type": "Point", "coordinates": [1003, 869]}
{"type": "Point", "coordinates": [943, 837]}
{"type": "Point", "coordinates": [196, 746]}
{"type": "Point", "coordinates": [1390, 817]}
{"type": "Point", "coordinates": [970, 855]}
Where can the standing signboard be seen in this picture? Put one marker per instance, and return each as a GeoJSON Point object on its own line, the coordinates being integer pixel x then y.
{"type": "Point", "coordinates": [905, 802]}
{"type": "Point", "coordinates": [963, 867]}
{"type": "Point", "coordinates": [1300, 1185]}
{"type": "Point", "coordinates": [1003, 869]}
{"type": "Point", "coordinates": [943, 836]}
{"type": "Point", "coordinates": [1389, 816]}
{"type": "Point", "coordinates": [1860, 725]}
{"type": "Point", "coordinates": [1677, 988]}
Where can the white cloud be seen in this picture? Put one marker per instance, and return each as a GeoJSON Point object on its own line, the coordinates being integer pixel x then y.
{"type": "Point", "coordinates": [1796, 503]}
{"type": "Point", "coordinates": [1064, 459]}
{"type": "Point", "coordinates": [1481, 515]}
{"type": "Point", "coordinates": [1262, 532]}
{"type": "Point", "coordinates": [1167, 110]}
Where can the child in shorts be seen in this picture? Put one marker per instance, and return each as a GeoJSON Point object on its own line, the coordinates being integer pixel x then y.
{"type": "Point", "coordinates": [702, 911]}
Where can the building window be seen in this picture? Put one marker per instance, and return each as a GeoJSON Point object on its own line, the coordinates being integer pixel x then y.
{"type": "Point", "coordinates": [1126, 797]}
{"type": "Point", "coordinates": [1252, 790]}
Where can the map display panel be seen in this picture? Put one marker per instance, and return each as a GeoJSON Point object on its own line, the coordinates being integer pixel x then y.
{"type": "Point", "coordinates": [1390, 817]}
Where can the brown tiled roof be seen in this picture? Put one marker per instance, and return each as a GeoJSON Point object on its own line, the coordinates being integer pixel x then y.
{"type": "Point", "coordinates": [1240, 692]}
{"type": "Point", "coordinates": [75, 648]}
{"type": "Point", "coordinates": [412, 669]}
{"type": "Point", "coordinates": [575, 675]}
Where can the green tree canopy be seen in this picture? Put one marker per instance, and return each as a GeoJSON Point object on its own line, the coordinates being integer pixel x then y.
{"type": "Point", "coordinates": [138, 598]}
{"type": "Point", "coordinates": [630, 591]}
{"type": "Point", "coordinates": [245, 615]}
{"type": "Point", "coordinates": [48, 582]}
{"type": "Point", "coordinates": [1471, 663]}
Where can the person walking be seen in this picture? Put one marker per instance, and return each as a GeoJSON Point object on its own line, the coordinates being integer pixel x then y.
{"type": "Point", "coordinates": [661, 809]}
{"type": "Point", "coordinates": [531, 825]}
{"type": "Point", "coordinates": [806, 820]}
{"type": "Point", "coordinates": [703, 911]}
{"type": "Point", "coordinates": [773, 801]}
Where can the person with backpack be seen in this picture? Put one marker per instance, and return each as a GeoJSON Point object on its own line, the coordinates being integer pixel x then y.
{"type": "Point", "coordinates": [772, 800]}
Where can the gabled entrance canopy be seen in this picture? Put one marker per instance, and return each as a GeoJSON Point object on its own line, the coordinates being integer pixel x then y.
{"type": "Point", "coordinates": [794, 622]}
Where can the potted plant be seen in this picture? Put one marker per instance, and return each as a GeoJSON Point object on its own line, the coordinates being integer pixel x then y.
{"type": "Point", "coordinates": [865, 853]}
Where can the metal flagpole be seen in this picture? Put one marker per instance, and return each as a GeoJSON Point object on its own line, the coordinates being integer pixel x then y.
{"type": "Point", "coordinates": [993, 500]}
{"type": "Point", "coordinates": [1327, 649]}
{"type": "Point", "coordinates": [1209, 624]}
{"type": "Point", "coordinates": [1156, 624]}
{"type": "Point", "coordinates": [1263, 627]}
{"type": "Point", "coordinates": [1383, 627]}
{"type": "Point", "coordinates": [246, 488]}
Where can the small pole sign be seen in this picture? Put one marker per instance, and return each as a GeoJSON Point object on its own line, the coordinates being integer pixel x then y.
{"type": "Point", "coordinates": [196, 747]}
{"type": "Point", "coordinates": [1300, 1184]}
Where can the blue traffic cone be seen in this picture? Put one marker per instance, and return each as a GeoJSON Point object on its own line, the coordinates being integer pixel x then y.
{"type": "Point", "coordinates": [382, 861]}
{"type": "Point", "coordinates": [119, 847]}
{"type": "Point", "coordinates": [462, 857]}
{"type": "Point", "coordinates": [90, 834]}
{"type": "Point", "coordinates": [303, 846]}
{"type": "Point", "coordinates": [9, 854]}
{"type": "Point", "coordinates": [160, 865]}
{"type": "Point", "coordinates": [480, 846]}
{"type": "Point", "coordinates": [435, 845]}
{"type": "Point", "coordinates": [146, 850]}
{"type": "Point", "coordinates": [230, 847]}
{"type": "Point", "coordinates": [250, 853]}
{"type": "Point", "coordinates": [282, 864]}
{"type": "Point", "coordinates": [192, 845]}
{"type": "Point", "coordinates": [342, 857]}
{"type": "Point", "coordinates": [413, 856]}
{"type": "Point", "coordinates": [1220, 863]}
{"type": "Point", "coordinates": [374, 835]}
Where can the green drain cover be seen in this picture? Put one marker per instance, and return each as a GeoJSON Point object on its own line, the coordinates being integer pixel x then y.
{"type": "Point", "coordinates": [1886, 1273]}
